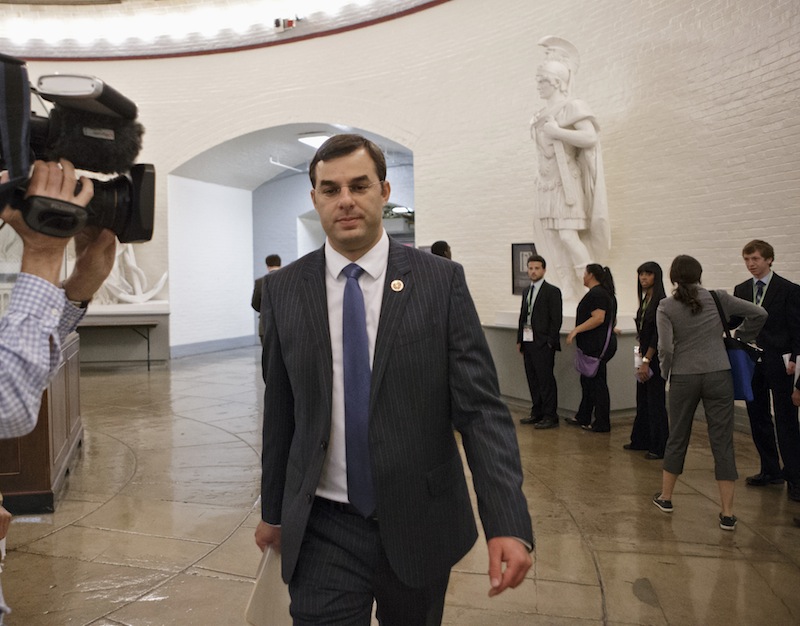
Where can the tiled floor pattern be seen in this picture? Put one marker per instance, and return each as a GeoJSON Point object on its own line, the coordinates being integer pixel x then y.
{"type": "Point", "coordinates": [155, 526]}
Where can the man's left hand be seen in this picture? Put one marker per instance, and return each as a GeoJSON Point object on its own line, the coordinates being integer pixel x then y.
{"type": "Point", "coordinates": [95, 251]}
{"type": "Point", "coordinates": [513, 553]}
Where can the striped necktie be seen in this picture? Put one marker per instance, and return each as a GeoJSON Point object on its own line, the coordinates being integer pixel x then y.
{"type": "Point", "coordinates": [760, 284]}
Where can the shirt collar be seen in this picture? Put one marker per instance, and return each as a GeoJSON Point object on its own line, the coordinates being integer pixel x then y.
{"type": "Point", "coordinates": [374, 262]}
{"type": "Point", "coordinates": [764, 280]}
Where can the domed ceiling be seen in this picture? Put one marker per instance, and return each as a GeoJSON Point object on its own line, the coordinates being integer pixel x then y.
{"type": "Point", "coordinates": [78, 29]}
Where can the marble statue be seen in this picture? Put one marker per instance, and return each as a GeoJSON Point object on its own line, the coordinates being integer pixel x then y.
{"type": "Point", "coordinates": [127, 283]}
{"type": "Point", "coordinates": [10, 246]}
{"type": "Point", "coordinates": [571, 197]}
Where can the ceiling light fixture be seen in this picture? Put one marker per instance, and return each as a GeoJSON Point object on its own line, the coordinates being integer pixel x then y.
{"type": "Point", "coordinates": [315, 141]}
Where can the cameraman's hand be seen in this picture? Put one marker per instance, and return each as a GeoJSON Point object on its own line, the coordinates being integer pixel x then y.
{"type": "Point", "coordinates": [95, 252]}
{"type": "Point", "coordinates": [42, 255]}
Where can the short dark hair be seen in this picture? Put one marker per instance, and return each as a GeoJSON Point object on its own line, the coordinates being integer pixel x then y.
{"type": "Point", "coordinates": [762, 247]}
{"type": "Point", "coordinates": [342, 145]}
{"type": "Point", "coordinates": [273, 260]}
{"type": "Point", "coordinates": [439, 248]}
{"type": "Point", "coordinates": [534, 258]}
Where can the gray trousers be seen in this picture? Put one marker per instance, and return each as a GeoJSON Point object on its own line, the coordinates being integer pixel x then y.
{"type": "Point", "coordinates": [686, 391]}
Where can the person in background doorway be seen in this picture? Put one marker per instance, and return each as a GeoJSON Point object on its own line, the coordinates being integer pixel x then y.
{"type": "Point", "coordinates": [441, 248]}
{"type": "Point", "coordinates": [651, 425]}
{"type": "Point", "coordinates": [273, 262]}
{"type": "Point", "coordinates": [538, 340]}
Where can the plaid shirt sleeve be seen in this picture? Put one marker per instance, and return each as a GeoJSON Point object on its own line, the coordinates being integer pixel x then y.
{"type": "Point", "coordinates": [38, 319]}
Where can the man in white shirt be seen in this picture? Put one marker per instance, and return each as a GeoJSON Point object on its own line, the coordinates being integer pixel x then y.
{"type": "Point", "coordinates": [373, 355]}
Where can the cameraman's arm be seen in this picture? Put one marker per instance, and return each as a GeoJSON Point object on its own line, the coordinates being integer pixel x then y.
{"type": "Point", "coordinates": [30, 341]}
{"type": "Point", "coordinates": [95, 251]}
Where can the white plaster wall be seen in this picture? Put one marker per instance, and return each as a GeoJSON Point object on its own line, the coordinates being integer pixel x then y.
{"type": "Point", "coordinates": [210, 261]}
{"type": "Point", "coordinates": [697, 99]}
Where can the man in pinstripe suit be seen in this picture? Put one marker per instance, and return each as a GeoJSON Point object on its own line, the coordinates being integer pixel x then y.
{"type": "Point", "coordinates": [431, 372]}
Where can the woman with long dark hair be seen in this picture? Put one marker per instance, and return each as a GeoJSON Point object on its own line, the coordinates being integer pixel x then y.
{"type": "Point", "coordinates": [651, 425]}
{"type": "Point", "coordinates": [594, 334]}
{"type": "Point", "coordinates": [694, 360]}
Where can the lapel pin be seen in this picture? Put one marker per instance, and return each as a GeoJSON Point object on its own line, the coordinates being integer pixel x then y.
{"type": "Point", "coordinates": [397, 285]}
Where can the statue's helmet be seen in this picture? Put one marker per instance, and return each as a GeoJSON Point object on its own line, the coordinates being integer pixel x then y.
{"type": "Point", "coordinates": [557, 73]}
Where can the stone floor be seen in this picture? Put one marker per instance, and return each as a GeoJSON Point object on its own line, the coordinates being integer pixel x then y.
{"type": "Point", "coordinates": [155, 526]}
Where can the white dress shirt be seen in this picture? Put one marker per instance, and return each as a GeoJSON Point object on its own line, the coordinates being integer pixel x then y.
{"type": "Point", "coordinates": [333, 482]}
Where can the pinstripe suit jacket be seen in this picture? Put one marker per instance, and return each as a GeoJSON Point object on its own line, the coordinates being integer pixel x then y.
{"type": "Point", "coordinates": [432, 372]}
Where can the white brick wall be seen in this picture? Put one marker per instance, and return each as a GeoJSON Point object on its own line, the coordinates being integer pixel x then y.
{"type": "Point", "coordinates": [697, 100]}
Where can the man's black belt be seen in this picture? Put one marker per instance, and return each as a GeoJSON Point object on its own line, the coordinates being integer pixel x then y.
{"type": "Point", "coordinates": [343, 507]}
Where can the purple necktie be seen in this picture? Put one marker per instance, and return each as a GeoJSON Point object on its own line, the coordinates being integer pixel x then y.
{"type": "Point", "coordinates": [357, 374]}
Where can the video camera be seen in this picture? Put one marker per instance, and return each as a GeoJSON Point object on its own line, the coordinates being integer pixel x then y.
{"type": "Point", "coordinates": [93, 126]}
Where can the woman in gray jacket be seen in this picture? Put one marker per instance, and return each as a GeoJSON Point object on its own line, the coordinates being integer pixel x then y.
{"type": "Point", "coordinates": [694, 360]}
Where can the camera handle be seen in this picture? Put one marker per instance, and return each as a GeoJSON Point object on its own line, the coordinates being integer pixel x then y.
{"type": "Point", "coordinates": [56, 218]}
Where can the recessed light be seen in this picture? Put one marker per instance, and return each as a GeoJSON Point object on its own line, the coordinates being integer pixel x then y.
{"type": "Point", "coordinates": [315, 141]}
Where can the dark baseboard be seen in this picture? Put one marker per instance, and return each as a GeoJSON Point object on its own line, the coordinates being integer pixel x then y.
{"type": "Point", "coordinates": [219, 345]}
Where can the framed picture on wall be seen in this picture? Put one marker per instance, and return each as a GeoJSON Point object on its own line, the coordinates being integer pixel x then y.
{"type": "Point", "coordinates": [519, 266]}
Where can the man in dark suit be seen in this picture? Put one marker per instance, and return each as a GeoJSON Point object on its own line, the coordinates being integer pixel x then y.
{"type": "Point", "coordinates": [366, 496]}
{"type": "Point", "coordinates": [780, 340]}
{"type": "Point", "coordinates": [273, 262]}
{"type": "Point", "coordinates": [538, 340]}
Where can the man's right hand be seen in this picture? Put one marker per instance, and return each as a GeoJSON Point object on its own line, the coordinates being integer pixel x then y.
{"type": "Point", "coordinates": [42, 255]}
{"type": "Point", "coordinates": [268, 536]}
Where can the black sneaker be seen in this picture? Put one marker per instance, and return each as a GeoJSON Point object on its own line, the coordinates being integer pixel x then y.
{"type": "Point", "coordinates": [664, 505]}
{"type": "Point", "coordinates": [727, 522]}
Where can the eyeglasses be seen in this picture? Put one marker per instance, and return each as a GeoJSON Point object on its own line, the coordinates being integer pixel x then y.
{"type": "Point", "coordinates": [331, 192]}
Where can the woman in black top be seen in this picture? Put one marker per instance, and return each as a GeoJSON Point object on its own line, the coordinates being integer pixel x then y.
{"type": "Point", "coordinates": [594, 320]}
{"type": "Point", "coordinates": [651, 425]}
